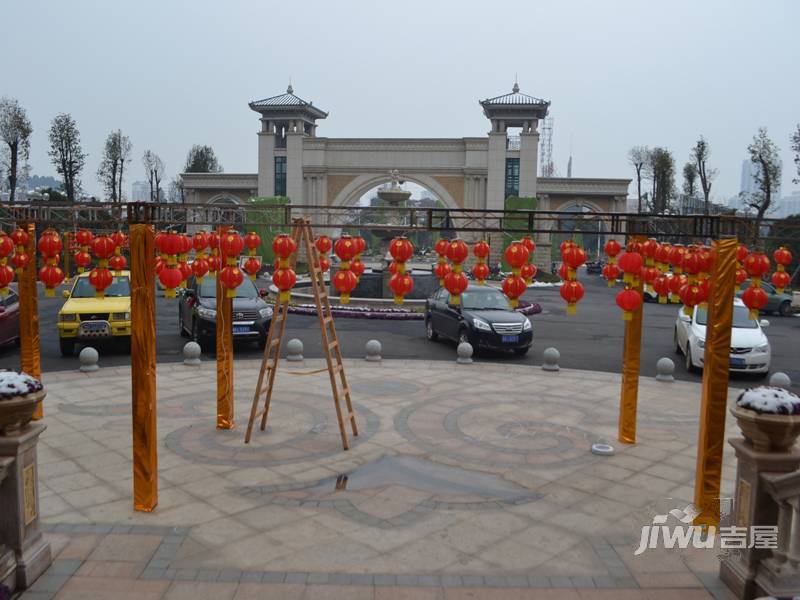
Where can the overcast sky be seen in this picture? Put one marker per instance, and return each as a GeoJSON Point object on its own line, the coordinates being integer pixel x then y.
{"type": "Point", "coordinates": [618, 73]}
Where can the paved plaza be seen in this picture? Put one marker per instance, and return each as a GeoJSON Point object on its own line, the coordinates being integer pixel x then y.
{"type": "Point", "coordinates": [467, 481]}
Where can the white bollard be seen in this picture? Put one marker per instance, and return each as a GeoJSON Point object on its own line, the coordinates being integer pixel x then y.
{"type": "Point", "coordinates": [89, 358]}
{"type": "Point", "coordinates": [550, 358]}
{"type": "Point", "coordinates": [464, 352]}
{"type": "Point", "coordinates": [373, 349]}
{"type": "Point", "coordinates": [781, 380]}
{"type": "Point", "coordinates": [665, 367]}
{"type": "Point", "coordinates": [191, 354]}
{"type": "Point", "coordinates": [294, 350]}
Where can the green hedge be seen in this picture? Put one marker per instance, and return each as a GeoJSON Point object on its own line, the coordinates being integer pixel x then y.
{"type": "Point", "coordinates": [516, 222]}
{"type": "Point", "coordinates": [270, 210]}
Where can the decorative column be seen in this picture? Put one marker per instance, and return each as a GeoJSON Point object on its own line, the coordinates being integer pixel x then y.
{"type": "Point", "coordinates": [266, 159]}
{"type": "Point", "coordinates": [631, 359]}
{"type": "Point", "coordinates": [30, 361]}
{"type": "Point", "coordinates": [8, 563]}
{"type": "Point", "coordinates": [143, 368]}
{"type": "Point", "coordinates": [224, 340]}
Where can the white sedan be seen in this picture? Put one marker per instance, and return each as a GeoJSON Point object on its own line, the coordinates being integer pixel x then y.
{"type": "Point", "coordinates": [750, 351]}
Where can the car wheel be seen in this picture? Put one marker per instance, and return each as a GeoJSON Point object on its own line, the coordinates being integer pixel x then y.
{"type": "Point", "coordinates": [690, 368]}
{"type": "Point", "coordinates": [67, 347]}
{"type": "Point", "coordinates": [785, 309]}
{"type": "Point", "coordinates": [675, 340]}
{"type": "Point", "coordinates": [429, 331]}
{"type": "Point", "coordinates": [521, 351]}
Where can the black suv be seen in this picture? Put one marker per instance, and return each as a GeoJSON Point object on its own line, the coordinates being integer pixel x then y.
{"type": "Point", "coordinates": [197, 313]}
{"type": "Point", "coordinates": [483, 319]}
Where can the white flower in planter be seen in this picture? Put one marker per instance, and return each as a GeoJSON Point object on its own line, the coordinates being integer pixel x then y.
{"type": "Point", "coordinates": [770, 400]}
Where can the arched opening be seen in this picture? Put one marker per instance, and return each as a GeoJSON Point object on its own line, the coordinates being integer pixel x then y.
{"type": "Point", "coordinates": [226, 209]}
{"type": "Point", "coordinates": [586, 228]}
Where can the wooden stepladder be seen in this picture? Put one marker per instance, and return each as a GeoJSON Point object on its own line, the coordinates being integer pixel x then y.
{"type": "Point", "coordinates": [304, 238]}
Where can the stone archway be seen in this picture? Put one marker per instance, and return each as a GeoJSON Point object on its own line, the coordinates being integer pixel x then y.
{"type": "Point", "coordinates": [588, 232]}
{"type": "Point", "coordinates": [447, 189]}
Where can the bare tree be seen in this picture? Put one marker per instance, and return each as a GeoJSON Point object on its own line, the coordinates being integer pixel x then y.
{"type": "Point", "coordinates": [154, 168]}
{"type": "Point", "coordinates": [175, 190]}
{"type": "Point", "coordinates": [637, 157]}
{"type": "Point", "coordinates": [66, 153]}
{"type": "Point", "coordinates": [112, 166]}
{"type": "Point", "coordinates": [15, 133]}
{"type": "Point", "coordinates": [700, 153]}
{"type": "Point", "coordinates": [767, 176]}
{"type": "Point", "coordinates": [660, 170]}
{"type": "Point", "coordinates": [796, 149]}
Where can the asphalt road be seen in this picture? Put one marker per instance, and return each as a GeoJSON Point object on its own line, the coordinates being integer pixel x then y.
{"type": "Point", "coordinates": [591, 339]}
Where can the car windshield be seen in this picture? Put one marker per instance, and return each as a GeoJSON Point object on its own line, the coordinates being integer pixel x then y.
{"type": "Point", "coordinates": [120, 286]}
{"type": "Point", "coordinates": [741, 317]}
{"type": "Point", "coordinates": [208, 289]}
{"type": "Point", "coordinates": [487, 299]}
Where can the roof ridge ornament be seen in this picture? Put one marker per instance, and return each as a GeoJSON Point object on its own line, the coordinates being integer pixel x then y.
{"type": "Point", "coordinates": [290, 89]}
{"type": "Point", "coordinates": [515, 89]}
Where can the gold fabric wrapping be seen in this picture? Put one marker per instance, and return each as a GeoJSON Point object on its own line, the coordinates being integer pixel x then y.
{"type": "Point", "coordinates": [30, 361]}
{"type": "Point", "coordinates": [631, 358]}
{"type": "Point", "coordinates": [143, 368]}
{"type": "Point", "coordinates": [716, 364]}
{"type": "Point", "coordinates": [224, 331]}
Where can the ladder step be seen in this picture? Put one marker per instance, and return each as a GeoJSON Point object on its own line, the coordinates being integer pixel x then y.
{"type": "Point", "coordinates": [274, 342]}
{"type": "Point", "coordinates": [327, 320]}
{"type": "Point", "coordinates": [333, 344]}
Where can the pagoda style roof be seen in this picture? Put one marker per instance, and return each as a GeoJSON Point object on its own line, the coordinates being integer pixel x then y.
{"type": "Point", "coordinates": [288, 102]}
{"type": "Point", "coordinates": [515, 98]}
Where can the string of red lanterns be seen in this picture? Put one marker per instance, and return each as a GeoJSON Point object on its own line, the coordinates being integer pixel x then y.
{"type": "Point", "coordinates": [632, 264]}
{"type": "Point", "coordinates": [20, 259]}
{"type": "Point", "coordinates": [323, 244]}
{"type": "Point", "coordinates": [253, 264]}
{"type": "Point", "coordinates": [516, 255]}
{"type": "Point", "coordinates": [455, 281]}
{"type": "Point", "coordinates": [442, 269]}
{"type": "Point", "coordinates": [401, 283]}
{"type": "Point", "coordinates": [51, 275]}
{"type": "Point", "coordinates": [284, 276]}
{"type": "Point", "coordinates": [780, 278]}
{"type": "Point", "coordinates": [754, 297]}
{"type": "Point", "coordinates": [6, 272]}
{"type": "Point", "coordinates": [572, 290]}
{"type": "Point", "coordinates": [528, 270]}
{"type": "Point", "coordinates": [345, 280]}
{"type": "Point", "coordinates": [480, 270]}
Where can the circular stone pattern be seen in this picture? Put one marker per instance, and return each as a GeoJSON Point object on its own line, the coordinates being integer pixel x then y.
{"type": "Point", "coordinates": [298, 429]}
{"type": "Point", "coordinates": [497, 432]}
{"type": "Point", "coordinates": [384, 387]}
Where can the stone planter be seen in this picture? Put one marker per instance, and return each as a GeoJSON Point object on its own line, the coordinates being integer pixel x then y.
{"type": "Point", "coordinates": [17, 412]}
{"type": "Point", "coordinates": [767, 432]}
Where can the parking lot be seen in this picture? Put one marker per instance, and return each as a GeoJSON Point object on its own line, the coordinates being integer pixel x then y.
{"type": "Point", "coordinates": [591, 339]}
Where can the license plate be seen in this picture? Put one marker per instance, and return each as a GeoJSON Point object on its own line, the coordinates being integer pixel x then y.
{"type": "Point", "coordinates": [737, 362]}
{"type": "Point", "coordinates": [94, 326]}
{"type": "Point", "coordinates": [510, 339]}
{"type": "Point", "coordinates": [241, 329]}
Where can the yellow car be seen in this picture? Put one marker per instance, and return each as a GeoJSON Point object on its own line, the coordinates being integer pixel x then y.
{"type": "Point", "coordinates": [85, 318]}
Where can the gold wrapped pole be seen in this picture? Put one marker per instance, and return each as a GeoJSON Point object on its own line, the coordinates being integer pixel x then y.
{"type": "Point", "coordinates": [30, 360]}
{"type": "Point", "coordinates": [631, 358]}
{"type": "Point", "coordinates": [224, 331]}
{"type": "Point", "coordinates": [716, 365]}
{"type": "Point", "coordinates": [143, 368]}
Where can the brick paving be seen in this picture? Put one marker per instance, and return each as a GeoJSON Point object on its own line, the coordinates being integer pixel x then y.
{"type": "Point", "coordinates": [467, 482]}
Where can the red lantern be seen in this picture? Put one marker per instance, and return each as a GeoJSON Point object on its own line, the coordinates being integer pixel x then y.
{"type": "Point", "coordinates": [102, 249]}
{"type": "Point", "coordinates": [574, 257]}
{"type": "Point", "coordinates": [705, 259]}
{"type": "Point", "coordinates": [401, 250]}
{"type": "Point", "coordinates": [782, 257]}
{"type": "Point", "coordinates": [213, 240]}
{"type": "Point", "coordinates": [200, 267]}
{"type": "Point", "coordinates": [168, 243]}
{"type": "Point", "coordinates": [84, 238]}
{"type": "Point", "coordinates": [441, 247]}
{"type": "Point", "coordinates": [781, 280]}
{"type": "Point", "coordinates": [527, 272]}
{"type": "Point", "coordinates": [200, 241]}
{"type": "Point", "coordinates": [629, 300]}
{"type": "Point", "coordinates": [214, 263]}
{"type": "Point", "coordinates": [457, 252]}
{"type": "Point", "coordinates": [691, 295]}
{"type": "Point", "coordinates": [345, 248]}
{"type": "Point", "coordinates": [6, 277]}
{"type": "Point", "coordinates": [662, 257]}
{"type": "Point", "coordinates": [741, 253]}
{"type": "Point", "coordinates": [100, 278]}
{"type": "Point", "coordinates": [401, 285]}
{"type": "Point", "coordinates": [120, 240]}
{"type": "Point", "coordinates": [612, 248]}
{"type": "Point", "coordinates": [481, 249]}
{"type": "Point", "coordinates": [611, 273]}
{"type": "Point", "coordinates": [513, 287]}
{"type": "Point", "coordinates": [661, 287]}
{"type": "Point", "coordinates": [361, 244]}
{"type": "Point", "coordinates": [757, 265]}
{"type": "Point", "coordinates": [563, 272]}
{"type": "Point", "coordinates": [480, 271]}
{"type": "Point", "coordinates": [690, 263]}
{"type": "Point", "coordinates": [676, 282]}
{"type": "Point", "coordinates": [232, 244]}
{"type": "Point", "coordinates": [323, 244]}
{"type": "Point", "coordinates": [231, 278]}
{"type": "Point", "coordinates": [516, 255]}
{"type": "Point", "coordinates": [649, 249]}
{"type": "Point", "coordinates": [631, 265]}
{"type": "Point", "coordinates": [50, 244]}
{"type": "Point", "coordinates": [676, 258]}
{"type": "Point", "coordinates": [6, 246]}
{"type": "Point", "coordinates": [572, 292]}
{"type": "Point", "coordinates": [755, 298]}
{"type": "Point", "coordinates": [116, 262]}
{"type": "Point", "coordinates": [456, 283]}
{"type": "Point", "coordinates": [252, 241]}
{"type": "Point", "coordinates": [184, 246]}
{"type": "Point", "coordinates": [20, 260]}
{"type": "Point", "coordinates": [345, 282]}
{"type": "Point", "coordinates": [186, 272]}
{"type": "Point", "coordinates": [442, 270]}
{"type": "Point", "coordinates": [528, 242]}
{"type": "Point", "coordinates": [160, 265]}
{"type": "Point", "coordinates": [252, 266]}
{"type": "Point", "coordinates": [51, 276]}
{"type": "Point", "coordinates": [170, 277]}
{"type": "Point", "coordinates": [324, 264]}
{"type": "Point", "coordinates": [564, 245]}
{"type": "Point", "coordinates": [284, 280]}
{"type": "Point", "coordinates": [357, 267]}
{"type": "Point", "coordinates": [82, 260]}
{"type": "Point", "coordinates": [649, 275]}
{"type": "Point", "coordinates": [741, 277]}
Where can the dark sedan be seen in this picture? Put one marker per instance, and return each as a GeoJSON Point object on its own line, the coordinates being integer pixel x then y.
{"type": "Point", "coordinates": [197, 312]}
{"type": "Point", "coordinates": [483, 319]}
